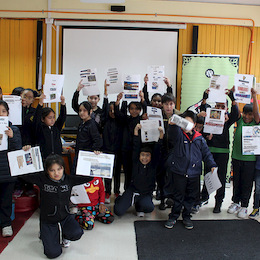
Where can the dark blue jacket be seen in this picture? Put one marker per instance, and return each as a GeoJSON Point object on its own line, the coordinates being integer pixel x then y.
{"type": "Point", "coordinates": [186, 156]}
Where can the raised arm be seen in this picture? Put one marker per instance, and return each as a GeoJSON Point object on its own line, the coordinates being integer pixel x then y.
{"type": "Point", "coordinates": [255, 105]}
{"type": "Point", "coordinates": [75, 99]}
{"type": "Point", "coordinates": [63, 113]}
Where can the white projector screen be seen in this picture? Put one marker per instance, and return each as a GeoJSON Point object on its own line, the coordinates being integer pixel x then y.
{"type": "Point", "coordinates": [131, 51]}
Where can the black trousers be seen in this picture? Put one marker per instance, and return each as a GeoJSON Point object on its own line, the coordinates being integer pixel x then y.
{"type": "Point", "coordinates": [185, 191]}
{"type": "Point", "coordinates": [143, 203]}
{"type": "Point", "coordinates": [243, 178]}
{"type": "Point", "coordinates": [116, 176]}
{"type": "Point", "coordinates": [6, 192]}
{"type": "Point", "coordinates": [50, 235]}
{"type": "Point", "coordinates": [127, 165]}
{"type": "Point", "coordinates": [221, 160]}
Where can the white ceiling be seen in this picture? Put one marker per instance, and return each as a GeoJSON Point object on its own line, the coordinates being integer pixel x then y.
{"type": "Point", "coordinates": [239, 2]}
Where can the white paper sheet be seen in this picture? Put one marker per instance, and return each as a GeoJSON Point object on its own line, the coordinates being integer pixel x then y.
{"type": "Point", "coordinates": [217, 88]}
{"type": "Point", "coordinates": [114, 79]}
{"type": "Point", "coordinates": [15, 108]}
{"type": "Point", "coordinates": [214, 121]}
{"type": "Point", "coordinates": [251, 140]}
{"type": "Point", "coordinates": [155, 79]}
{"type": "Point", "coordinates": [90, 164]}
{"type": "Point", "coordinates": [89, 80]}
{"type": "Point", "coordinates": [131, 87]}
{"type": "Point", "coordinates": [212, 181]}
{"type": "Point", "coordinates": [79, 194]}
{"type": "Point", "coordinates": [243, 84]}
{"type": "Point", "coordinates": [182, 122]}
{"type": "Point", "coordinates": [155, 113]}
{"type": "Point", "coordinates": [23, 162]}
{"type": "Point", "coordinates": [3, 136]}
{"type": "Point", "coordinates": [52, 88]}
{"type": "Point", "coordinates": [149, 131]}
{"type": "Point", "coordinates": [257, 88]}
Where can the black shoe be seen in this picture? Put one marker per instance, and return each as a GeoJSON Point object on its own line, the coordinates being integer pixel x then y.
{"type": "Point", "coordinates": [170, 223]}
{"type": "Point", "coordinates": [169, 202]}
{"type": "Point", "coordinates": [162, 206]}
{"type": "Point", "coordinates": [187, 223]}
{"type": "Point", "coordinates": [217, 208]}
{"type": "Point", "coordinates": [204, 202]}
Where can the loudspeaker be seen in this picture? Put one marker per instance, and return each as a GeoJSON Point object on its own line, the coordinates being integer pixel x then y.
{"type": "Point", "coordinates": [195, 39]}
{"type": "Point", "coordinates": [117, 8]}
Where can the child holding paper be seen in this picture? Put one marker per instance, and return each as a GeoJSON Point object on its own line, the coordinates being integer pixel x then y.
{"type": "Point", "coordinates": [93, 100]}
{"type": "Point", "coordinates": [140, 190]}
{"type": "Point", "coordinates": [48, 129]}
{"type": "Point", "coordinates": [129, 123]}
{"type": "Point", "coordinates": [184, 163]}
{"type": "Point", "coordinates": [6, 181]}
{"type": "Point", "coordinates": [55, 220]}
{"type": "Point", "coordinates": [96, 209]}
{"type": "Point", "coordinates": [112, 141]}
{"type": "Point", "coordinates": [243, 165]}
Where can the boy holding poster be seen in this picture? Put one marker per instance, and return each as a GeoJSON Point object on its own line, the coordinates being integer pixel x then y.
{"type": "Point", "coordinates": [243, 165]}
{"type": "Point", "coordinates": [219, 146]}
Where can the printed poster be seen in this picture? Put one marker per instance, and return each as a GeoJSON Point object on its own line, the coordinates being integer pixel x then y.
{"type": "Point", "coordinates": [114, 79]}
{"type": "Point", "coordinates": [155, 113]}
{"type": "Point", "coordinates": [251, 140]}
{"type": "Point", "coordinates": [214, 121]}
{"type": "Point", "coordinates": [243, 84]}
{"type": "Point", "coordinates": [131, 87]}
{"type": "Point", "coordinates": [53, 87]}
{"type": "Point", "coordinates": [89, 80]}
{"type": "Point", "coordinates": [23, 162]}
{"type": "Point", "coordinates": [15, 108]}
{"type": "Point", "coordinates": [155, 79]}
{"type": "Point", "coordinates": [90, 164]}
{"type": "Point", "coordinates": [3, 135]}
{"type": "Point", "coordinates": [217, 88]}
{"type": "Point", "coordinates": [212, 181]}
{"type": "Point", "coordinates": [149, 131]}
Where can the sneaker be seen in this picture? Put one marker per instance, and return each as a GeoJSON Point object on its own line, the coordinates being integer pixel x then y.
{"type": "Point", "coordinates": [233, 208]}
{"type": "Point", "coordinates": [242, 213]}
{"type": "Point", "coordinates": [18, 193]}
{"type": "Point", "coordinates": [158, 195]}
{"type": "Point", "coordinates": [195, 209]}
{"type": "Point", "coordinates": [187, 223]}
{"type": "Point", "coordinates": [107, 198]}
{"type": "Point", "coordinates": [254, 214]}
{"type": "Point", "coordinates": [162, 206]}
{"type": "Point", "coordinates": [65, 243]}
{"type": "Point", "coordinates": [7, 231]}
{"type": "Point", "coordinates": [170, 223]}
{"type": "Point", "coordinates": [140, 214]}
{"type": "Point", "coordinates": [169, 202]}
{"type": "Point", "coordinates": [204, 202]}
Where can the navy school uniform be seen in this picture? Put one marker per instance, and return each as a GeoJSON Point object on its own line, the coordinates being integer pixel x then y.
{"type": "Point", "coordinates": [48, 138]}
{"type": "Point", "coordinates": [142, 184]}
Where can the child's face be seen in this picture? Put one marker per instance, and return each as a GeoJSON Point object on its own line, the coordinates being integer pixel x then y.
{"type": "Point", "coordinates": [134, 110]}
{"type": "Point", "coordinates": [199, 127]}
{"type": "Point", "coordinates": [56, 172]}
{"type": "Point", "coordinates": [93, 100]}
{"type": "Point", "coordinates": [156, 101]}
{"type": "Point", "coordinates": [27, 98]}
{"type": "Point", "coordinates": [168, 107]}
{"type": "Point", "coordinates": [145, 157]}
{"type": "Point", "coordinates": [3, 111]}
{"type": "Point", "coordinates": [248, 117]}
{"type": "Point", "coordinates": [112, 111]}
{"type": "Point", "coordinates": [83, 113]}
{"type": "Point", "coordinates": [49, 120]}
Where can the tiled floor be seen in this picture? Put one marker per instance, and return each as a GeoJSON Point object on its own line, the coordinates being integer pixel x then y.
{"type": "Point", "coordinates": [104, 242]}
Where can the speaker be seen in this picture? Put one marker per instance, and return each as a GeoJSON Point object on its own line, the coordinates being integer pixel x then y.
{"type": "Point", "coordinates": [117, 8]}
{"type": "Point", "coordinates": [195, 39]}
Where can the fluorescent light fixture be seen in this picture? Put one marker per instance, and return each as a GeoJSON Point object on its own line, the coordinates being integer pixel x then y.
{"type": "Point", "coordinates": [103, 1]}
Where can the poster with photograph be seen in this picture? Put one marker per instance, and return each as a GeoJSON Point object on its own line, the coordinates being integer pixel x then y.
{"type": "Point", "coordinates": [15, 108]}
{"type": "Point", "coordinates": [131, 87]}
{"type": "Point", "coordinates": [114, 79]}
{"type": "Point", "coordinates": [155, 113]}
{"type": "Point", "coordinates": [89, 80]}
{"type": "Point", "coordinates": [214, 121]}
{"type": "Point", "coordinates": [3, 135]}
{"type": "Point", "coordinates": [90, 164]}
{"type": "Point", "coordinates": [79, 195]}
{"type": "Point", "coordinates": [251, 140]}
{"type": "Point", "coordinates": [155, 79]}
{"type": "Point", "coordinates": [217, 88]}
{"type": "Point", "coordinates": [23, 162]}
{"type": "Point", "coordinates": [212, 181]}
{"type": "Point", "coordinates": [149, 131]}
{"type": "Point", "coordinates": [243, 84]}
{"type": "Point", "coordinates": [52, 87]}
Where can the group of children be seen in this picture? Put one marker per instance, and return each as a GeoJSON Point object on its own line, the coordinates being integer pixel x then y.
{"type": "Point", "coordinates": [174, 163]}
